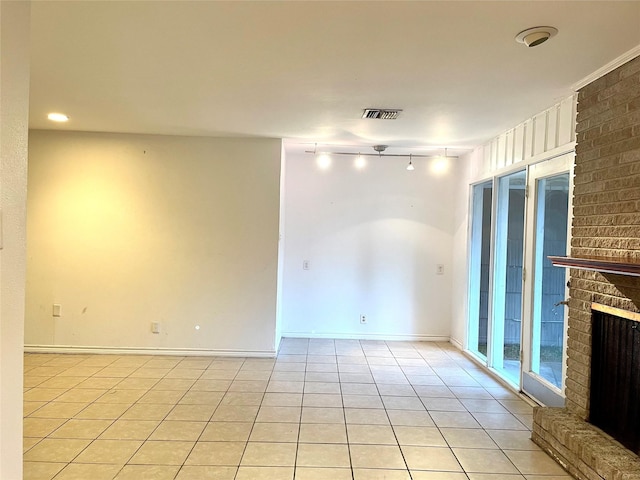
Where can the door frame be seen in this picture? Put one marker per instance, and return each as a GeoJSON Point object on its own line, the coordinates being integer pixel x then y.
{"type": "Point", "coordinates": [531, 383]}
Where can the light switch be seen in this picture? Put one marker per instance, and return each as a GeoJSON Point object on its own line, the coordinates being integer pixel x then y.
{"type": "Point", "coordinates": [57, 310]}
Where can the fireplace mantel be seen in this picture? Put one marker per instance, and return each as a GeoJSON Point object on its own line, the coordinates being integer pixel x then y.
{"type": "Point", "coordinates": [599, 264]}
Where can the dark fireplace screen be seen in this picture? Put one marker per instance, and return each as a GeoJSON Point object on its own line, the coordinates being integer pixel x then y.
{"type": "Point", "coordinates": [615, 378]}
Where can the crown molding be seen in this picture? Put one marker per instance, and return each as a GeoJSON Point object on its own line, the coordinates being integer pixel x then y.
{"type": "Point", "coordinates": [609, 67]}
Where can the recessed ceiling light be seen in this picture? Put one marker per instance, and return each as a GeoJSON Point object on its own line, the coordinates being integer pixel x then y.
{"type": "Point", "coordinates": [532, 37]}
{"type": "Point", "coordinates": [58, 117]}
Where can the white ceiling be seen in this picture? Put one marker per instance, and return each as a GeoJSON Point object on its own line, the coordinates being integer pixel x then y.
{"type": "Point", "coordinates": [303, 71]}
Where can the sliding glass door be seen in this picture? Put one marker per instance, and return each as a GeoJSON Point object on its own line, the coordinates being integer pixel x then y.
{"type": "Point", "coordinates": [517, 321]}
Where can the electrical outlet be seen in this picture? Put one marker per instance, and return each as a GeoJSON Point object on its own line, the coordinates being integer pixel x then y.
{"type": "Point", "coordinates": [439, 269]}
{"type": "Point", "coordinates": [306, 265]}
{"type": "Point", "coordinates": [363, 319]}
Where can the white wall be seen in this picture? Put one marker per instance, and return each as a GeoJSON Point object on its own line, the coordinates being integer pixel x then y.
{"type": "Point", "coordinates": [373, 239]}
{"type": "Point", "coordinates": [125, 230]}
{"type": "Point", "coordinates": [14, 115]}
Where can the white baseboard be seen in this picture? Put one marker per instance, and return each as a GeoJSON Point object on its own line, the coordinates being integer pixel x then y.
{"type": "Point", "coordinates": [182, 352]}
{"type": "Point", "coordinates": [369, 336]}
{"type": "Point", "coordinates": [456, 343]}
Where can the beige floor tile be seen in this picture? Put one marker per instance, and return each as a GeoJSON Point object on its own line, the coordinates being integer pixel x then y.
{"type": "Point", "coordinates": [41, 427]}
{"type": "Point", "coordinates": [468, 438]}
{"type": "Point", "coordinates": [99, 383]}
{"type": "Point", "coordinates": [130, 430]}
{"type": "Point", "coordinates": [483, 405]}
{"type": "Point", "coordinates": [137, 383]}
{"type": "Point", "coordinates": [275, 432]}
{"type": "Point", "coordinates": [420, 436]}
{"type": "Point", "coordinates": [402, 403]}
{"type": "Point", "coordinates": [279, 414]}
{"type": "Point", "coordinates": [194, 413]}
{"type": "Point", "coordinates": [269, 454]}
{"type": "Point", "coordinates": [322, 455]}
{"type": "Point", "coordinates": [443, 404]}
{"type": "Point", "coordinates": [162, 453]}
{"type": "Point", "coordinates": [396, 390]}
{"type": "Point", "coordinates": [62, 382]}
{"type": "Point", "coordinates": [235, 413]}
{"type": "Point", "coordinates": [187, 373]}
{"type": "Point", "coordinates": [430, 458]}
{"type": "Point", "coordinates": [253, 375]}
{"type": "Point", "coordinates": [362, 401]}
{"type": "Point", "coordinates": [322, 367]}
{"type": "Point", "coordinates": [115, 372]}
{"type": "Point", "coordinates": [265, 473]}
{"type": "Point", "coordinates": [43, 394]}
{"type": "Point", "coordinates": [162, 396]}
{"type": "Point", "coordinates": [41, 470]}
{"type": "Point", "coordinates": [80, 471]}
{"type": "Point", "coordinates": [121, 396]}
{"type": "Point", "coordinates": [178, 430]}
{"type": "Point", "coordinates": [380, 474]}
{"type": "Point", "coordinates": [147, 412]}
{"type": "Point", "coordinates": [454, 420]}
{"type": "Point", "coordinates": [182, 384]}
{"type": "Point", "coordinates": [216, 453]}
{"type": "Point", "coordinates": [433, 391]}
{"type": "Point", "coordinates": [201, 398]}
{"type": "Point", "coordinates": [248, 386]}
{"type": "Point", "coordinates": [56, 450]}
{"type": "Point", "coordinates": [29, 407]}
{"type": "Point", "coordinates": [216, 374]}
{"type": "Point", "coordinates": [322, 400]}
{"type": "Point", "coordinates": [366, 416]}
{"type": "Point", "coordinates": [109, 451]}
{"type": "Point", "coordinates": [189, 472]}
{"type": "Point", "coordinates": [513, 439]}
{"type": "Point", "coordinates": [371, 434]}
{"type": "Point", "coordinates": [410, 418]}
{"type": "Point", "coordinates": [322, 387]}
{"type": "Point", "coordinates": [323, 433]}
{"type": "Point", "coordinates": [82, 395]}
{"type": "Point", "coordinates": [242, 398]}
{"type": "Point", "coordinates": [103, 411]}
{"type": "Point", "coordinates": [312, 473]}
{"type": "Point", "coordinates": [59, 410]}
{"type": "Point", "coordinates": [376, 456]}
{"type": "Point", "coordinates": [148, 472]}
{"type": "Point", "coordinates": [29, 442]}
{"type": "Point", "coordinates": [211, 386]}
{"type": "Point", "coordinates": [226, 432]}
{"type": "Point", "coordinates": [421, 475]}
{"type": "Point", "coordinates": [285, 387]}
{"type": "Point", "coordinates": [359, 389]}
{"type": "Point", "coordinates": [75, 428]}
{"type": "Point", "coordinates": [282, 400]}
{"type": "Point", "coordinates": [531, 462]}
{"type": "Point", "coordinates": [484, 461]}
{"type": "Point", "coordinates": [322, 415]}
{"type": "Point", "coordinates": [499, 421]}
{"type": "Point", "coordinates": [517, 406]}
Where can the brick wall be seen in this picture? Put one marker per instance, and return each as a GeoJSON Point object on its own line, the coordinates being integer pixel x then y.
{"type": "Point", "coordinates": [606, 207]}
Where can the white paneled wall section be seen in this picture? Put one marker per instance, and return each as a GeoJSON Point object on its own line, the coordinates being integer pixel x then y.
{"type": "Point", "coordinates": [547, 134]}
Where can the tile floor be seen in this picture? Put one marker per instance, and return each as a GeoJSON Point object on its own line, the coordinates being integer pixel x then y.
{"type": "Point", "coordinates": [322, 410]}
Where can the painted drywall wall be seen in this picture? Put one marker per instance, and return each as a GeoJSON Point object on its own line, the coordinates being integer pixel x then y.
{"type": "Point", "coordinates": [126, 230]}
{"type": "Point", "coordinates": [372, 239]}
{"type": "Point", "coordinates": [14, 116]}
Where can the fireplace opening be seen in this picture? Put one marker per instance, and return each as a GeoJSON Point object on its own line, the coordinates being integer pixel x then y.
{"type": "Point", "coordinates": [615, 375]}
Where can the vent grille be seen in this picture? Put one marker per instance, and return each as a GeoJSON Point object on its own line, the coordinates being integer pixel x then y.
{"type": "Point", "coordinates": [382, 113]}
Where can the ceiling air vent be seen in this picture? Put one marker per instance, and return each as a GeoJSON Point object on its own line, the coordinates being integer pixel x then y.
{"type": "Point", "coordinates": [382, 113]}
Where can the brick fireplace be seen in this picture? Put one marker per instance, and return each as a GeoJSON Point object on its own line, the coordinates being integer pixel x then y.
{"type": "Point", "coordinates": [606, 223]}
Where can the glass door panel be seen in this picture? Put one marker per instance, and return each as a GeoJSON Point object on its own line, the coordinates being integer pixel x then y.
{"type": "Point", "coordinates": [552, 216]}
{"type": "Point", "coordinates": [482, 205]}
{"type": "Point", "coordinates": [507, 289]}
{"type": "Point", "coordinates": [545, 289]}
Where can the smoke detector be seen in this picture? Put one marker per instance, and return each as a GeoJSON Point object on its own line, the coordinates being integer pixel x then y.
{"type": "Point", "coordinates": [381, 113]}
{"type": "Point", "coordinates": [532, 37]}
{"type": "Point", "coordinates": [380, 148]}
